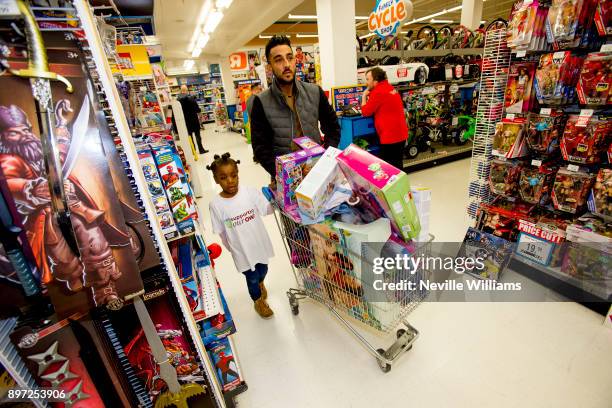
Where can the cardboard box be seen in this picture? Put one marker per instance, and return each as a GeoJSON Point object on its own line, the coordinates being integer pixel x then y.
{"type": "Point", "coordinates": [422, 201]}
{"type": "Point", "coordinates": [316, 188]}
{"type": "Point", "coordinates": [383, 188]}
{"type": "Point", "coordinates": [291, 169]}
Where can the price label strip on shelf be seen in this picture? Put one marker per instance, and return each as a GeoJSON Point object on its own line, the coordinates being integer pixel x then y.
{"type": "Point", "coordinates": [210, 294]}
{"type": "Point", "coordinates": [534, 249]}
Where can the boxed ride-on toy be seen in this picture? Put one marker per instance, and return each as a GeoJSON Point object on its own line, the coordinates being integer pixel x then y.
{"type": "Point", "coordinates": [383, 188]}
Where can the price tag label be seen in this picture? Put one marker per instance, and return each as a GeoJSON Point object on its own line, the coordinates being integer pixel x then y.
{"type": "Point", "coordinates": [584, 117]}
{"type": "Point", "coordinates": [536, 163]}
{"type": "Point", "coordinates": [455, 121]}
{"type": "Point", "coordinates": [573, 167]}
{"type": "Point", "coordinates": [606, 48]}
{"type": "Point", "coordinates": [521, 53]}
{"type": "Point", "coordinates": [8, 8]}
{"type": "Point", "coordinates": [448, 72]}
{"type": "Point", "coordinates": [545, 111]}
{"type": "Point", "coordinates": [453, 88]}
{"type": "Point", "coordinates": [534, 249]}
{"type": "Point", "coordinates": [510, 116]}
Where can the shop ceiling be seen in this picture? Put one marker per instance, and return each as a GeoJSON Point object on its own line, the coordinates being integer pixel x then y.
{"type": "Point", "coordinates": [492, 9]}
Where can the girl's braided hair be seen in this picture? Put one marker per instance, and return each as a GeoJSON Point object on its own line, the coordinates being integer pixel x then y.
{"type": "Point", "coordinates": [220, 161]}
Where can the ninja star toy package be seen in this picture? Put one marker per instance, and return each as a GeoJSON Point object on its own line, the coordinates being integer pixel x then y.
{"type": "Point", "coordinates": [383, 187]}
{"type": "Point", "coordinates": [291, 169]}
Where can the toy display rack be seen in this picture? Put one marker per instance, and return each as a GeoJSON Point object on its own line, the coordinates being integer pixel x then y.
{"type": "Point", "coordinates": [493, 77]}
{"type": "Point", "coordinates": [84, 13]}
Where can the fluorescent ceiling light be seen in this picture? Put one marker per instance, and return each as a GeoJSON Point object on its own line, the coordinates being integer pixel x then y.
{"type": "Point", "coordinates": [361, 17]}
{"type": "Point", "coordinates": [188, 64]}
{"type": "Point", "coordinates": [223, 3]}
{"type": "Point", "coordinates": [314, 17]}
{"type": "Point", "coordinates": [262, 36]}
{"type": "Point", "coordinates": [200, 22]}
{"type": "Point", "coordinates": [268, 36]}
{"type": "Point", "coordinates": [366, 36]}
{"type": "Point", "coordinates": [439, 13]}
{"type": "Point", "coordinates": [202, 40]}
{"type": "Point", "coordinates": [433, 20]}
{"type": "Point", "coordinates": [482, 21]}
{"type": "Point", "coordinates": [196, 52]}
{"type": "Point", "coordinates": [307, 35]}
{"type": "Point", "coordinates": [213, 21]}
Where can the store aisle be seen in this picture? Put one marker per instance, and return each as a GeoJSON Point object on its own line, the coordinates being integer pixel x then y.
{"type": "Point", "coordinates": [468, 354]}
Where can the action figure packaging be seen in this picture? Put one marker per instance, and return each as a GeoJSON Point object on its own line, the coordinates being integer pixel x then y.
{"type": "Point", "coordinates": [589, 256]}
{"type": "Point", "coordinates": [544, 133]}
{"type": "Point", "coordinates": [77, 278]}
{"type": "Point", "coordinates": [156, 190]}
{"type": "Point", "coordinates": [164, 311]}
{"type": "Point", "coordinates": [177, 188]}
{"type": "Point", "coordinates": [596, 79]}
{"type": "Point", "coordinates": [504, 177]}
{"type": "Point", "coordinates": [570, 23]}
{"type": "Point", "coordinates": [556, 78]}
{"type": "Point", "coordinates": [535, 184]}
{"type": "Point", "coordinates": [585, 140]}
{"type": "Point", "coordinates": [603, 17]}
{"type": "Point", "coordinates": [522, 27]}
{"type": "Point", "coordinates": [495, 250]}
{"type": "Point", "coordinates": [519, 97]}
{"type": "Point", "coordinates": [70, 356]}
{"type": "Point", "coordinates": [501, 218]}
{"type": "Point", "coordinates": [509, 140]}
{"type": "Point", "coordinates": [600, 200]}
{"type": "Point", "coordinates": [226, 366]}
{"type": "Point", "coordinates": [542, 231]}
{"type": "Point", "coordinates": [182, 255]}
{"type": "Point", "coordinates": [571, 189]}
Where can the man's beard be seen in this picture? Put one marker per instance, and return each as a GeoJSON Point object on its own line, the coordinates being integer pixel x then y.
{"type": "Point", "coordinates": [28, 148]}
{"type": "Point", "coordinates": [282, 81]}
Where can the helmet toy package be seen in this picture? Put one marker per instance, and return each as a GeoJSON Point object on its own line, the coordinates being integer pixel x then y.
{"type": "Point", "coordinates": [600, 201]}
{"type": "Point", "coordinates": [508, 140]}
{"type": "Point", "coordinates": [571, 189]}
{"type": "Point", "coordinates": [535, 184]}
{"type": "Point", "coordinates": [585, 144]}
{"type": "Point", "coordinates": [596, 79]}
{"type": "Point", "coordinates": [504, 176]}
{"type": "Point", "coordinates": [544, 132]}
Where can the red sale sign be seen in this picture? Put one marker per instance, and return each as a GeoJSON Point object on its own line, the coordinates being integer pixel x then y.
{"type": "Point", "coordinates": [238, 61]}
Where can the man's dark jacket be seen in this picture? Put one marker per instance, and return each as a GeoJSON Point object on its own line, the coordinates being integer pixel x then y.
{"type": "Point", "coordinates": [273, 123]}
{"type": "Point", "coordinates": [190, 111]}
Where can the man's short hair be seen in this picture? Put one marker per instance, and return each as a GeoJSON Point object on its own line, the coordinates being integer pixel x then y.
{"type": "Point", "coordinates": [253, 86]}
{"type": "Point", "coordinates": [378, 74]}
{"type": "Point", "coordinates": [275, 41]}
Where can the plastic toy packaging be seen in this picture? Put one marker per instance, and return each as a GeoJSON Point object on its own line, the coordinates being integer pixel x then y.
{"type": "Point", "coordinates": [596, 79]}
{"type": "Point", "coordinates": [600, 201]}
{"type": "Point", "coordinates": [535, 184]}
{"type": "Point", "coordinates": [526, 26]}
{"type": "Point", "coordinates": [556, 78]}
{"type": "Point", "coordinates": [585, 140]}
{"type": "Point", "coordinates": [501, 218]}
{"type": "Point", "coordinates": [544, 133]}
{"type": "Point", "coordinates": [571, 189]}
{"type": "Point", "coordinates": [504, 176]}
{"type": "Point", "coordinates": [603, 17]}
{"type": "Point", "coordinates": [519, 96]}
{"type": "Point", "coordinates": [508, 140]}
{"type": "Point", "coordinates": [589, 255]}
{"type": "Point", "coordinates": [570, 23]}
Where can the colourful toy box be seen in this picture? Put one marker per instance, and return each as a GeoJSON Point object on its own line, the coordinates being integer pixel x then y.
{"type": "Point", "coordinates": [319, 183]}
{"type": "Point", "coordinates": [291, 169]}
{"type": "Point", "coordinates": [177, 188]}
{"type": "Point", "coordinates": [422, 200]}
{"type": "Point", "coordinates": [383, 188]}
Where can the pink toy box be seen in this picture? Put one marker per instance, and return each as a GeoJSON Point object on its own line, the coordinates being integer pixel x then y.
{"type": "Point", "coordinates": [383, 188]}
{"type": "Point", "coordinates": [291, 169]}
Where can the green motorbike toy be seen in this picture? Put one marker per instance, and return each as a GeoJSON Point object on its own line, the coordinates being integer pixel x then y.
{"type": "Point", "coordinates": [463, 130]}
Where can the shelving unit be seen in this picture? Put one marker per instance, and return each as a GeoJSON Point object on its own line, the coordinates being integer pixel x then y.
{"type": "Point", "coordinates": [421, 53]}
{"type": "Point", "coordinates": [208, 90]}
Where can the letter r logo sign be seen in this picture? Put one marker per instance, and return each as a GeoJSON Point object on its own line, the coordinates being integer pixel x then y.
{"type": "Point", "coordinates": [238, 61]}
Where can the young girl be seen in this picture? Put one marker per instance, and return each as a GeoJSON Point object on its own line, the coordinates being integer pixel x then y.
{"type": "Point", "coordinates": [236, 215]}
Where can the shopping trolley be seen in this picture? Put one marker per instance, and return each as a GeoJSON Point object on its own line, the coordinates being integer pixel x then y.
{"type": "Point", "coordinates": [325, 271]}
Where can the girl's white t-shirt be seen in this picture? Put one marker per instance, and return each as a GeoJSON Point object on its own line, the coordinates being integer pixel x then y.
{"type": "Point", "coordinates": [238, 220]}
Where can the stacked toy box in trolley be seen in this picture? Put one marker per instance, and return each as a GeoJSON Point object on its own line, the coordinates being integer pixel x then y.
{"type": "Point", "coordinates": [339, 210]}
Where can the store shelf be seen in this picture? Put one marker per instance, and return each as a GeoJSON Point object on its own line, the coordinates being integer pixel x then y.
{"type": "Point", "coordinates": [443, 154]}
{"type": "Point", "coordinates": [420, 53]}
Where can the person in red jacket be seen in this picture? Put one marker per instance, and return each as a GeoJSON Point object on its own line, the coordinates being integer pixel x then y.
{"type": "Point", "coordinates": [383, 102]}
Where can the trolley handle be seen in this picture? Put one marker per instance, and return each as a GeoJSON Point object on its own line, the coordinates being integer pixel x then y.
{"type": "Point", "coordinates": [267, 192]}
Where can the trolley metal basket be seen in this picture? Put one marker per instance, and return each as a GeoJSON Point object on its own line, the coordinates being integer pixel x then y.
{"type": "Point", "coordinates": [324, 269]}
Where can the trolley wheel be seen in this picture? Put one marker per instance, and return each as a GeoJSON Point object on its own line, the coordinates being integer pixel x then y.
{"type": "Point", "coordinates": [295, 310]}
{"type": "Point", "coordinates": [385, 367]}
{"type": "Point", "coordinates": [400, 333]}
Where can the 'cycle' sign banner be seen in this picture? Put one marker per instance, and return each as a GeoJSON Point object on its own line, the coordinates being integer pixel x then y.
{"type": "Point", "coordinates": [388, 15]}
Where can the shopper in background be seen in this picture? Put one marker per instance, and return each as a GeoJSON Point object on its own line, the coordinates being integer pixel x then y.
{"type": "Point", "coordinates": [190, 112]}
{"type": "Point", "coordinates": [288, 109]}
{"type": "Point", "coordinates": [255, 90]}
{"type": "Point", "coordinates": [383, 102]}
{"type": "Point", "coordinates": [236, 215]}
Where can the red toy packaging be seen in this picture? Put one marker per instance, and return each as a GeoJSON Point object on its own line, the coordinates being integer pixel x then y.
{"type": "Point", "coordinates": [569, 22]}
{"type": "Point", "coordinates": [585, 142]}
{"type": "Point", "coordinates": [508, 140]}
{"type": "Point", "coordinates": [544, 132]}
{"type": "Point", "coordinates": [535, 184]}
{"type": "Point", "coordinates": [571, 189]}
{"type": "Point", "coordinates": [603, 17]}
{"type": "Point", "coordinates": [596, 79]}
{"type": "Point", "coordinates": [501, 218]}
{"type": "Point", "coordinates": [556, 77]}
{"type": "Point", "coordinates": [519, 98]}
{"type": "Point", "coordinates": [504, 176]}
{"type": "Point", "coordinates": [526, 26]}
{"type": "Point", "coordinates": [600, 201]}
